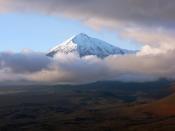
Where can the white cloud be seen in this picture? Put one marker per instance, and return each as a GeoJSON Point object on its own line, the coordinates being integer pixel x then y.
{"type": "Point", "coordinates": [74, 70]}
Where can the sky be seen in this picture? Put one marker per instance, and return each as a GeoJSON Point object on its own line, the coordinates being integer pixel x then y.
{"type": "Point", "coordinates": [147, 25]}
{"type": "Point", "coordinates": [41, 32]}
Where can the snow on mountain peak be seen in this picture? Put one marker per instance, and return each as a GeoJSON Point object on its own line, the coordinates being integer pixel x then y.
{"type": "Point", "coordinates": [84, 45]}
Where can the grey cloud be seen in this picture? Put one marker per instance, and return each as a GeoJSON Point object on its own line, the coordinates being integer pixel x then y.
{"type": "Point", "coordinates": [23, 62]}
{"type": "Point", "coordinates": [149, 12]}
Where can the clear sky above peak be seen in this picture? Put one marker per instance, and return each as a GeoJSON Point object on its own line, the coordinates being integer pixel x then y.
{"type": "Point", "coordinates": [40, 32]}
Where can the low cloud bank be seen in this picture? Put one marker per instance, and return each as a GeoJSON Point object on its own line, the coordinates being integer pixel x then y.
{"type": "Point", "coordinates": [37, 68]}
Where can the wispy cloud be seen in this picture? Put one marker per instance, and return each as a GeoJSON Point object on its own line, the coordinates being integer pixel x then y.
{"type": "Point", "coordinates": [147, 12]}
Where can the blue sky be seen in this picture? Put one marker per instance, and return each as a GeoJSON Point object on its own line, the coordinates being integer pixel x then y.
{"type": "Point", "coordinates": [40, 32]}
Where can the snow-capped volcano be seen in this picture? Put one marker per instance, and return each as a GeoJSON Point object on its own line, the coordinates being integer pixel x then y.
{"type": "Point", "coordinates": [83, 45]}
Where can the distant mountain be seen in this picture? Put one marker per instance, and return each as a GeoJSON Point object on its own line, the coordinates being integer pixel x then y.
{"type": "Point", "coordinates": [83, 45]}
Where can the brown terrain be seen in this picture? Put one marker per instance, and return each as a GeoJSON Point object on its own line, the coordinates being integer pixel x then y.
{"type": "Point", "coordinates": [103, 106]}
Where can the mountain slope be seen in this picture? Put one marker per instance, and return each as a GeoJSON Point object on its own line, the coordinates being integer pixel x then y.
{"type": "Point", "coordinates": [163, 107]}
{"type": "Point", "coordinates": [84, 45]}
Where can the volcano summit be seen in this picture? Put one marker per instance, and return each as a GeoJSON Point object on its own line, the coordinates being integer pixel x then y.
{"type": "Point", "coordinates": [84, 45]}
